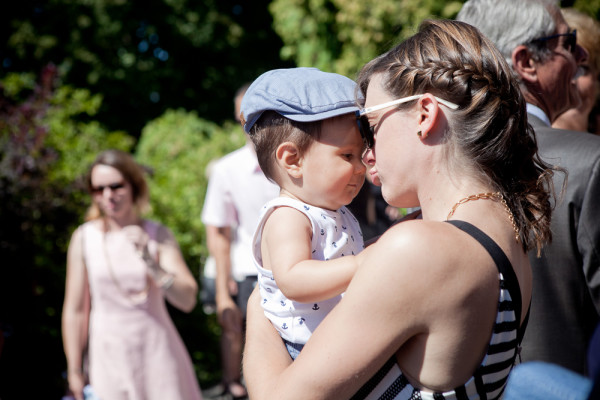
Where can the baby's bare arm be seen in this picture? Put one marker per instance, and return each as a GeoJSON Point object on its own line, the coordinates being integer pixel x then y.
{"type": "Point", "coordinates": [286, 250]}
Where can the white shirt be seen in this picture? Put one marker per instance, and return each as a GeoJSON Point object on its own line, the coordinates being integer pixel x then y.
{"type": "Point", "coordinates": [237, 190]}
{"type": "Point", "coordinates": [538, 112]}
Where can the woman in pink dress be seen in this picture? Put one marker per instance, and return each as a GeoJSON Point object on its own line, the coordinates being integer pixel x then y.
{"type": "Point", "coordinates": [120, 269]}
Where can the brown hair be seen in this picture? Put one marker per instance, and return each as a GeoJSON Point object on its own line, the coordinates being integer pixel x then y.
{"type": "Point", "coordinates": [133, 173]}
{"type": "Point", "coordinates": [488, 134]}
{"type": "Point", "coordinates": [271, 130]}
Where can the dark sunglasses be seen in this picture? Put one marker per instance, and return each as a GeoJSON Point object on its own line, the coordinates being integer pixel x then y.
{"type": "Point", "coordinates": [112, 187]}
{"type": "Point", "coordinates": [570, 42]}
{"type": "Point", "coordinates": [367, 132]}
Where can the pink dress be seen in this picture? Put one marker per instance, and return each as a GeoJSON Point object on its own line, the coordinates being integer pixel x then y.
{"type": "Point", "coordinates": [135, 351]}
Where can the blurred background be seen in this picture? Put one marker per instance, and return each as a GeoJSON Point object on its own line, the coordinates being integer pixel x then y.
{"type": "Point", "coordinates": [155, 78]}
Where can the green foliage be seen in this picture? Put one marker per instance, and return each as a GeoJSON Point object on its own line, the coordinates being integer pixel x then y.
{"type": "Point", "coordinates": [590, 7]}
{"type": "Point", "coordinates": [78, 141]}
{"type": "Point", "coordinates": [143, 57]}
{"type": "Point", "coordinates": [178, 147]}
{"type": "Point", "coordinates": [342, 35]}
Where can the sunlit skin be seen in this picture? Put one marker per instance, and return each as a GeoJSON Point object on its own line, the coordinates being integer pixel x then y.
{"type": "Point", "coordinates": [397, 148]}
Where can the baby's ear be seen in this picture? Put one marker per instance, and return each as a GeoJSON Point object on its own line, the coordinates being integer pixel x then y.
{"type": "Point", "coordinates": [288, 158]}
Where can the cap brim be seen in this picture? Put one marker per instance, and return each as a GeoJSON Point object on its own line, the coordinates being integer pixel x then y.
{"type": "Point", "coordinates": [320, 116]}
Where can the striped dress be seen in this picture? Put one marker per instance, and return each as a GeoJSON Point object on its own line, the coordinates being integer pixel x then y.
{"type": "Point", "coordinates": [490, 378]}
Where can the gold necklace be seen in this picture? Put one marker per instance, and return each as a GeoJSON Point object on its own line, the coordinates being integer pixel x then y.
{"type": "Point", "coordinates": [497, 196]}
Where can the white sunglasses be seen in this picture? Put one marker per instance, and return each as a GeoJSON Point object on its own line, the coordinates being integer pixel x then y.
{"type": "Point", "coordinates": [404, 100]}
{"type": "Point", "coordinates": [366, 131]}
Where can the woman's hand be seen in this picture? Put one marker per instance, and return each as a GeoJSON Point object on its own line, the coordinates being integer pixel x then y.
{"type": "Point", "coordinates": [140, 240]}
{"type": "Point", "coordinates": [76, 383]}
{"type": "Point", "coordinates": [166, 268]}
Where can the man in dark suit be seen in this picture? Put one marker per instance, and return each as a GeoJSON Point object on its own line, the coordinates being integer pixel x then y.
{"type": "Point", "coordinates": [536, 41]}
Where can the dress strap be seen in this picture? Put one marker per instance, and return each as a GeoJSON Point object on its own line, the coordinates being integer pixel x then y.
{"type": "Point", "coordinates": [504, 267]}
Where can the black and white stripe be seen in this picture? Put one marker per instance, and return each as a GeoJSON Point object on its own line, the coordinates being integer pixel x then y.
{"type": "Point", "coordinates": [490, 378]}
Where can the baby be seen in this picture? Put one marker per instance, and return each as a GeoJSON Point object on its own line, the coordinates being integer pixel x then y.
{"type": "Point", "coordinates": [302, 122]}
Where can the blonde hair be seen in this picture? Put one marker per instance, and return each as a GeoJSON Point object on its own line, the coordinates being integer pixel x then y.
{"type": "Point", "coordinates": [588, 33]}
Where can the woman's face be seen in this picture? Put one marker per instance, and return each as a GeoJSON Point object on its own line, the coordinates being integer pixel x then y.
{"type": "Point", "coordinates": [111, 192]}
{"type": "Point", "coordinates": [588, 86]}
{"type": "Point", "coordinates": [393, 155]}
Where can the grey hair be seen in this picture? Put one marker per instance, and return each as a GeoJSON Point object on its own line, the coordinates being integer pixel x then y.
{"type": "Point", "coordinates": [511, 23]}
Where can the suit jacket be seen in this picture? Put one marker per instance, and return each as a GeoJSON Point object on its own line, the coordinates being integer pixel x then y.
{"type": "Point", "coordinates": [565, 304]}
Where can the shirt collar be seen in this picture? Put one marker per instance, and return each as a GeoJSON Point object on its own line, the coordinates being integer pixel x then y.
{"type": "Point", "coordinates": [538, 112]}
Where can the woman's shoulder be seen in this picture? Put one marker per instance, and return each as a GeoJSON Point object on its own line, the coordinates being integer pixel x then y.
{"type": "Point", "coordinates": [414, 235]}
{"type": "Point", "coordinates": [94, 225]}
{"type": "Point", "coordinates": [431, 250]}
{"type": "Point", "coordinates": [158, 231]}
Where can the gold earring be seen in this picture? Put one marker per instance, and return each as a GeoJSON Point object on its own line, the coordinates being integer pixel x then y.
{"type": "Point", "coordinates": [419, 133]}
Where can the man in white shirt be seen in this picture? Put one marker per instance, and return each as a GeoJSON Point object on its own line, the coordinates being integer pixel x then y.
{"type": "Point", "coordinates": [236, 192]}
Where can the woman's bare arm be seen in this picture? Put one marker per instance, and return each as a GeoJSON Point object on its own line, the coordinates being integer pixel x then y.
{"type": "Point", "coordinates": [350, 345]}
{"type": "Point", "coordinates": [263, 346]}
{"type": "Point", "coordinates": [183, 290]}
{"type": "Point", "coordinates": [75, 314]}
{"type": "Point", "coordinates": [386, 311]}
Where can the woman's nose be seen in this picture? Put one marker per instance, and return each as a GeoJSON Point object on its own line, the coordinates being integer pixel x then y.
{"type": "Point", "coordinates": [368, 157]}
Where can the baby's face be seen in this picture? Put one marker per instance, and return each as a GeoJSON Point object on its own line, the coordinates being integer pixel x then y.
{"type": "Point", "coordinates": [332, 169]}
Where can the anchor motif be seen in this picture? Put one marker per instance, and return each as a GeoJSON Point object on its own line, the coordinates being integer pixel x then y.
{"type": "Point", "coordinates": [322, 231]}
{"type": "Point", "coordinates": [334, 245]}
{"type": "Point", "coordinates": [264, 301]}
{"type": "Point", "coordinates": [284, 326]}
{"type": "Point", "coordinates": [301, 321]}
{"type": "Point", "coordinates": [306, 207]}
{"type": "Point", "coordinates": [316, 307]}
{"type": "Point", "coordinates": [344, 227]}
{"type": "Point", "coordinates": [282, 303]}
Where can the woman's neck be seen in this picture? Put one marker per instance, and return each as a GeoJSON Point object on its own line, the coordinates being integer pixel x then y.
{"type": "Point", "coordinates": [115, 224]}
{"type": "Point", "coordinates": [436, 204]}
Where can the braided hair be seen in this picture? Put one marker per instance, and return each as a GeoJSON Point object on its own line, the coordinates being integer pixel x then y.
{"type": "Point", "coordinates": [488, 134]}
